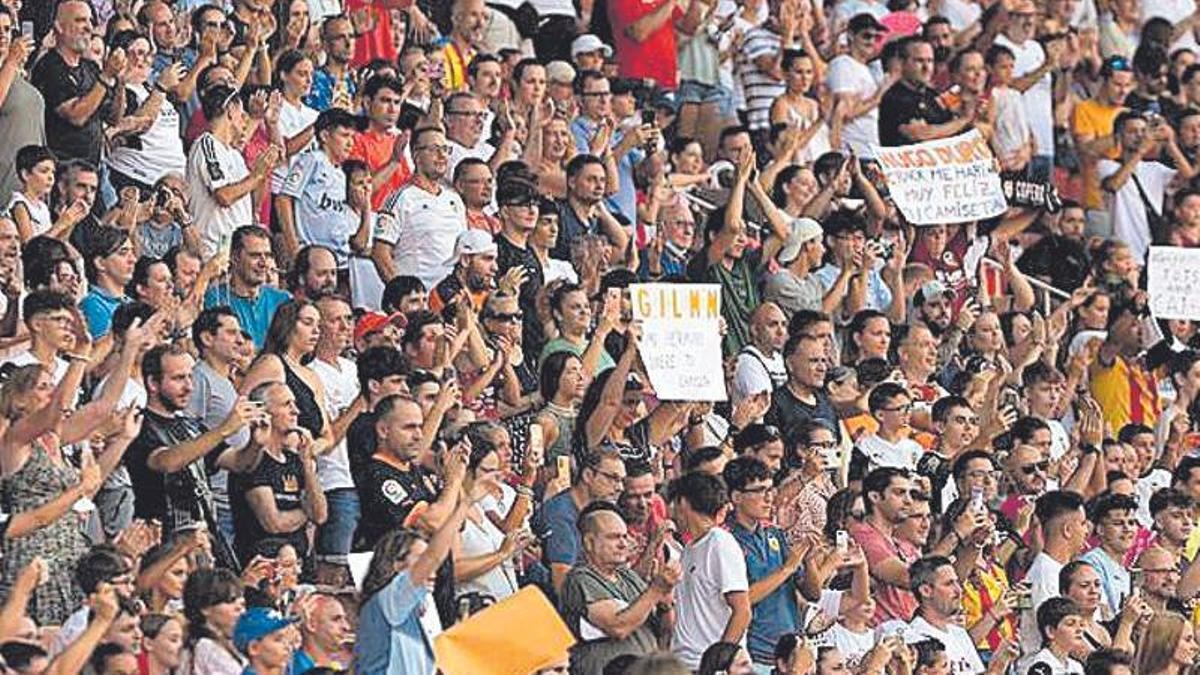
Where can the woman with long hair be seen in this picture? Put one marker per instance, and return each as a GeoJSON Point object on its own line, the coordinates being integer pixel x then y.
{"type": "Point", "coordinates": [291, 339]}
{"type": "Point", "coordinates": [548, 148]}
{"type": "Point", "coordinates": [162, 644]}
{"type": "Point", "coordinates": [794, 188]}
{"type": "Point", "coordinates": [1167, 646]}
{"type": "Point", "coordinates": [563, 384]}
{"type": "Point", "coordinates": [572, 315]}
{"type": "Point", "coordinates": [397, 585]}
{"type": "Point", "coordinates": [163, 574]}
{"type": "Point", "coordinates": [870, 337]}
{"type": "Point", "coordinates": [726, 658]}
{"type": "Point", "coordinates": [212, 604]}
{"type": "Point", "coordinates": [799, 111]}
{"type": "Point", "coordinates": [483, 554]}
{"type": "Point", "coordinates": [293, 80]}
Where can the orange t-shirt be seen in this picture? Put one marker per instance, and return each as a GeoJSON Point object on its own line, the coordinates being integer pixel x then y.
{"type": "Point", "coordinates": [375, 149]}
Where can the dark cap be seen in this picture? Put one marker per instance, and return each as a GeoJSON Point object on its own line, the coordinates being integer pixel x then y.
{"type": "Point", "coordinates": [865, 21]}
{"type": "Point", "coordinates": [755, 435]}
{"type": "Point", "coordinates": [624, 85]}
{"type": "Point", "coordinates": [516, 193]}
{"type": "Point", "coordinates": [338, 117]}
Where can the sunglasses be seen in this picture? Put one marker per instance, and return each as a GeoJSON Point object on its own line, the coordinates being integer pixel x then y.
{"type": "Point", "coordinates": [1030, 469]}
{"type": "Point", "coordinates": [513, 317]}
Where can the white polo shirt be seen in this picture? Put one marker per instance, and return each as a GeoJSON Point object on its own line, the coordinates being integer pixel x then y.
{"type": "Point", "coordinates": [422, 228]}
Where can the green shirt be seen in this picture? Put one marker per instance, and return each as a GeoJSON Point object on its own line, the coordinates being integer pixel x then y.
{"type": "Point", "coordinates": [584, 586]}
{"type": "Point", "coordinates": [562, 345]}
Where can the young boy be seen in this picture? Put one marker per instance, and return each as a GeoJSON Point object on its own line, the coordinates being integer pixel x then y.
{"type": "Point", "coordinates": [28, 207]}
{"type": "Point", "coordinates": [1013, 140]}
{"type": "Point", "coordinates": [1060, 624]}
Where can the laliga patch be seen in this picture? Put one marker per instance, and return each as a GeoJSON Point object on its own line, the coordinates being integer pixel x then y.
{"type": "Point", "coordinates": [394, 492]}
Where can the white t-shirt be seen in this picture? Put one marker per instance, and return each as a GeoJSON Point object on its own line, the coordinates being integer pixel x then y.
{"type": "Point", "coordinates": [900, 455]}
{"type": "Point", "coordinates": [1047, 657]}
{"type": "Point", "coordinates": [1173, 11]}
{"type": "Point", "coordinates": [852, 646]}
{"type": "Point", "coordinates": [422, 228]}
{"type": "Point", "coordinates": [960, 13]}
{"type": "Point", "coordinates": [960, 649]}
{"type": "Point", "coordinates": [712, 566]}
{"type": "Point", "coordinates": [341, 388]}
{"type": "Point", "coordinates": [848, 76]}
{"type": "Point", "coordinates": [1126, 206]}
{"type": "Point", "coordinates": [1043, 582]}
{"type": "Point", "coordinates": [1039, 99]}
{"type": "Point", "coordinates": [159, 149]}
{"type": "Point", "coordinates": [40, 220]}
{"type": "Point", "coordinates": [1146, 486]}
{"type": "Point", "coordinates": [322, 214]}
{"type": "Point", "coordinates": [1012, 124]}
{"type": "Point", "coordinates": [292, 120]}
{"type": "Point", "coordinates": [458, 152]}
{"type": "Point", "coordinates": [213, 165]}
{"type": "Point", "coordinates": [547, 8]}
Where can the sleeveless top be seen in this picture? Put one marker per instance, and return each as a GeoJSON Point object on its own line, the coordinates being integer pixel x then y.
{"type": "Point", "coordinates": [309, 416]}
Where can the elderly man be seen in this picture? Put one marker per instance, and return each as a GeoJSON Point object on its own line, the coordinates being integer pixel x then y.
{"type": "Point", "coordinates": [327, 636]}
{"type": "Point", "coordinates": [611, 609]}
{"type": "Point", "coordinates": [80, 96]}
{"type": "Point", "coordinates": [468, 21]}
{"type": "Point", "coordinates": [601, 478]}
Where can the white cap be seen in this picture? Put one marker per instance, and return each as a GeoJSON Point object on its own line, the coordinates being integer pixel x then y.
{"type": "Point", "coordinates": [589, 43]}
{"type": "Point", "coordinates": [472, 242]}
{"type": "Point", "coordinates": [803, 230]}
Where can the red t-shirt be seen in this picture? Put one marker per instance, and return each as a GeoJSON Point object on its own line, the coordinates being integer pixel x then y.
{"type": "Point", "coordinates": [377, 43]}
{"type": "Point", "coordinates": [376, 150]}
{"type": "Point", "coordinates": [891, 602]}
{"type": "Point", "coordinates": [654, 57]}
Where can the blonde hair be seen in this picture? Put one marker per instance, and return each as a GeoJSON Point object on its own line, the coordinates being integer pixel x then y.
{"type": "Point", "coordinates": [20, 381]}
{"type": "Point", "coordinates": [1156, 648]}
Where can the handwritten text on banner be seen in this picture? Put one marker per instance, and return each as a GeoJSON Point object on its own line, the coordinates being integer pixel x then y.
{"type": "Point", "coordinates": [681, 339]}
{"type": "Point", "coordinates": [950, 180]}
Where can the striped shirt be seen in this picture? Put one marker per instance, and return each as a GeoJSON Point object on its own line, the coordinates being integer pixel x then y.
{"type": "Point", "coordinates": [760, 87]}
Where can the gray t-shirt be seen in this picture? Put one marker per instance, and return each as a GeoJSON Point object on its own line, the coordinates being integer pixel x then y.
{"type": "Point", "coordinates": [212, 399]}
{"type": "Point", "coordinates": [793, 294]}
{"type": "Point", "coordinates": [584, 586]}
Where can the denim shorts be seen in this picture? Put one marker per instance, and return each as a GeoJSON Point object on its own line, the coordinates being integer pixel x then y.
{"type": "Point", "coordinates": [691, 91]}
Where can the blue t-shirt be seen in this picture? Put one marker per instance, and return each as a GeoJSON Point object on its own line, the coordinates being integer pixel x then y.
{"type": "Point", "coordinates": [390, 639]}
{"type": "Point", "coordinates": [98, 307]}
{"type": "Point", "coordinates": [766, 549]}
{"type": "Point", "coordinates": [253, 314]}
{"type": "Point", "coordinates": [559, 515]}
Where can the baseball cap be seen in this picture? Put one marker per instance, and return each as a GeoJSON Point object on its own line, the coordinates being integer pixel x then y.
{"type": "Point", "coordinates": [589, 43]}
{"type": "Point", "coordinates": [560, 71]}
{"type": "Point", "coordinates": [373, 322]}
{"type": "Point", "coordinates": [930, 289]}
{"type": "Point", "coordinates": [337, 117]}
{"type": "Point", "coordinates": [865, 21]}
{"type": "Point", "coordinates": [803, 230]}
{"type": "Point", "coordinates": [257, 623]}
{"type": "Point", "coordinates": [472, 242]}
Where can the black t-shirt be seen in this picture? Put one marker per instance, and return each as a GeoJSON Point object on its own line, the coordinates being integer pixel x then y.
{"type": "Point", "coordinates": [903, 104]}
{"type": "Point", "coordinates": [361, 443]}
{"type": "Point", "coordinates": [286, 481]}
{"type": "Point", "coordinates": [388, 494]}
{"type": "Point", "coordinates": [509, 256]}
{"type": "Point", "coordinates": [1064, 262]}
{"type": "Point", "coordinates": [787, 412]}
{"type": "Point", "coordinates": [570, 229]}
{"type": "Point", "coordinates": [175, 499]}
{"type": "Point", "coordinates": [60, 83]}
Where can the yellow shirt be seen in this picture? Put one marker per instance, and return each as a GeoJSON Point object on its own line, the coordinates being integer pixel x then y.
{"type": "Point", "coordinates": [980, 591]}
{"type": "Point", "coordinates": [1092, 118]}
{"type": "Point", "coordinates": [1126, 393]}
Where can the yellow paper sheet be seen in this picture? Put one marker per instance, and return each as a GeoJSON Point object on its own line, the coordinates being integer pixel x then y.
{"type": "Point", "coordinates": [516, 636]}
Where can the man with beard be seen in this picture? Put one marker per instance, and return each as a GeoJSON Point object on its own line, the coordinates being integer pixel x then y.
{"type": "Point", "coordinates": [1114, 517]}
{"type": "Point", "coordinates": [1160, 580]}
{"type": "Point", "coordinates": [314, 204]}
{"type": "Point", "coordinates": [170, 459]}
{"type": "Point", "coordinates": [246, 292]}
{"type": "Point", "coordinates": [474, 272]}
{"type": "Point", "coordinates": [934, 305]}
{"type": "Point", "coordinates": [645, 513]}
{"type": "Point", "coordinates": [333, 83]}
{"type": "Point", "coordinates": [939, 605]}
{"type": "Point", "coordinates": [468, 21]}
{"type": "Point", "coordinates": [80, 96]}
{"type": "Point", "coordinates": [887, 496]}
{"type": "Point", "coordinates": [940, 35]}
{"type": "Point", "coordinates": [1060, 256]}
{"type": "Point", "coordinates": [600, 478]}
{"type": "Point", "coordinates": [416, 228]}
{"type": "Point", "coordinates": [381, 145]}
{"type": "Point", "coordinates": [314, 273]}
{"type": "Point", "coordinates": [474, 182]}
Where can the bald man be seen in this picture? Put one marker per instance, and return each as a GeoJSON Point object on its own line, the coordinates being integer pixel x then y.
{"type": "Point", "coordinates": [468, 21]}
{"type": "Point", "coordinates": [1160, 580]}
{"type": "Point", "coordinates": [761, 361]}
{"type": "Point", "coordinates": [79, 94]}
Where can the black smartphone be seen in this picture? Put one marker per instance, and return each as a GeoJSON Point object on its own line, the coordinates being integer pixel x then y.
{"type": "Point", "coordinates": [410, 115]}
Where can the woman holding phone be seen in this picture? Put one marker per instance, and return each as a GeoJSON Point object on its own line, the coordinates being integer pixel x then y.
{"type": "Point", "coordinates": [22, 108]}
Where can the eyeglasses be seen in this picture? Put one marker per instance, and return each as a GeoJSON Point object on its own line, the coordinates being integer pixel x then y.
{"type": "Point", "coordinates": [440, 149]}
{"type": "Point", "coordinates": [1030, 469]}
{"type": "Point", "coordinates": [514, 317]}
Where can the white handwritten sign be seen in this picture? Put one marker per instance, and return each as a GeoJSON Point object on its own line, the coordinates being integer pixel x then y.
{"type": "Point", "coordinates": [681, 339]}
{"type": "Point", "coordinates": [950, 180]}
{"type": "Point", "coordinates": [1173, 281]}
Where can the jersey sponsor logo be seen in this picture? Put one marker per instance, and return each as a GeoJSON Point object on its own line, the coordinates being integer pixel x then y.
{"type": "Point", "coordinates": [393, 491]}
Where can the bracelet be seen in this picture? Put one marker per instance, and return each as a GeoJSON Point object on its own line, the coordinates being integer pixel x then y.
{"type": "Point", "coordinates": [524, 491]}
